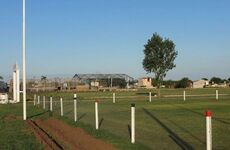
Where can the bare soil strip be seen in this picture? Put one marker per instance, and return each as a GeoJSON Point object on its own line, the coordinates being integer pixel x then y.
{"type": "Point", "coordinates": [64, 136]}
{"type": "Point", "coordinates": [48, 141]}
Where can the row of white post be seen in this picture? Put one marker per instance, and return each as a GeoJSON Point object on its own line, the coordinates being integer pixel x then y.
{"type": "Point", "coordinates": [217, 95]}
{"type": "Point", "coordinates": [96, 112]}
{"type": "Point", "coordinates": [184, 96]}
{"type": "Point", "coordinates": [207, 115]}
{"type": "Point", "coordinates": [61, 104]}
{"type": "Point", "coordinates": [208, 125]}
{"type": "Point", "coordinates": [150, 96]}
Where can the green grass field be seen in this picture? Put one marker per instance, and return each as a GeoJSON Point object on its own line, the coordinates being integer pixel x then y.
{"type": "Point", "coordinates": [14, 133]}
{"type": "Point", "coordinates": [165, 123]}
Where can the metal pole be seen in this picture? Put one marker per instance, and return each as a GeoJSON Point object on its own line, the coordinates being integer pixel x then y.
{"type": "Point", "coordinates": [132, 123]}
{"type": "Point", "coordinates": [24, 58]}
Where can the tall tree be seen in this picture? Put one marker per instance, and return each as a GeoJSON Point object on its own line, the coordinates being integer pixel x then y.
{"type": "Point", "coordinates": [159, 57]}
{"type": "Point", "coordinates": [1, 78]}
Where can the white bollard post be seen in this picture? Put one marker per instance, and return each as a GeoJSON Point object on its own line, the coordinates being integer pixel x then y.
{"type": "Point", "coordinates": [75, 107]}
{"type": "Point", "coordinates": [35, 99]}
{"type": "Point", "coordinates": [217, 95]}
{"type": "Point", "coordinates": [184, 95]}
{"type": "Point", "coordinates": [114, 98]}
{"type": "Point", "coordinates": [208, 115]}
{"type": "Point", "coordinates": [61, 103]}
{"type": "Point", "coordinates": [38, 100]}
{"type": "Point", "coordinates": [132, 123]}
{"type": "Point", "coordinates": [44, 102]}
{"type": "Point", "coordinates": [51, 104]}
{"type": "Point", "coordinates": [14, 86]}
{"type": "Point", "coordinates": [96, 115]}
{"type": "Point", "coordinates": [75, 95]}
{"type": "Point", "coordinates": [18, 85]}
{"type": "Point", "coordinates": [150, 97]}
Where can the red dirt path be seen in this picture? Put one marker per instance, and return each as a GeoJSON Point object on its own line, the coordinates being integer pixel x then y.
{"type": "Point", "coordinates": [62, 136]}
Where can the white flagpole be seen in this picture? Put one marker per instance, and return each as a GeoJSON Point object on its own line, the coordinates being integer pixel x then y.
{"type": "Point", "coordinates": [24, 57]}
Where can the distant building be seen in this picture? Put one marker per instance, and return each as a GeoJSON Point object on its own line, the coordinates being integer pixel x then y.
{"type": "Point", "coordinates": [200, 83]}
{"type": "Point", "coordinates": [104, 80]}
{"type": "Point", "coordinates": [145, 82]}
{"type": "Point", "coordinates": [94, 84]}
{"type": "Point", "coordinates": [51, 84]}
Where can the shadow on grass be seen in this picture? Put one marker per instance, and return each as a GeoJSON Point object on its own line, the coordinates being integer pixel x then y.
{"type": "Point", "coordinates": [142, 93]}
{"type": "Point", "coordinates": [68, 112]}
{"type": "Point", "coordinates": [186, 131]}
{"type": "Point", "coordinates": [180, 142]}
{"type": "Point", "coordinates": [146, 93]}
{"type": "Point", "coordinates": [100, 123]}
{"type": "Point", "coordinates": [39, 114]}
{"type": "Point", "coordinates": [129, 130]}
{"type": "Point", "coordinates": [202, 115]}
{"type": "Point", "coordinates": [82, 116]}
{"type": "Point", "coordinates": [57, 107]}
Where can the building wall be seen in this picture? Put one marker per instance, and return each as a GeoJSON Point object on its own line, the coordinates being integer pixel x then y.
{"type": "Point", "coordinates": [200, 84]}
{"type": "Point", "coordinates": [145, 82]}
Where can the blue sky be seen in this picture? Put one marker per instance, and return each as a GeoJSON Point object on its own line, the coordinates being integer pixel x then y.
{"type": "Point", "coordinates": [65, 37]}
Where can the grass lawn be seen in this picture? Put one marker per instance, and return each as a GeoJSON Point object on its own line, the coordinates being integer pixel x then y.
{"type": "Point", "coordinates": [165, 123]}
{"type": "Point", "coordinates": [14, 134]}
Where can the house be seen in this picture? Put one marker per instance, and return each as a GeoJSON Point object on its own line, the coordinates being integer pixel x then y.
{"type": "Point", "coordinates": [94, 84]}
{"type": "Point", "coordinates": [145, 82]}
{"type": "Point", "coordinates": [200, 83]}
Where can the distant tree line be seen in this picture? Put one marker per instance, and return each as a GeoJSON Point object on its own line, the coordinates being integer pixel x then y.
{"type": "Point", "coordinates": [185, 82]}
{"type": "Point", "coordinates": [217, 80]}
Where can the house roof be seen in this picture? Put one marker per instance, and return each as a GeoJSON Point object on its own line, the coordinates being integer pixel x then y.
{"type": "Point", "coordinates": [103, 76]}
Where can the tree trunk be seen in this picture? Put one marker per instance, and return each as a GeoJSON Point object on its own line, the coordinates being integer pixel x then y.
{"type": "Point", "coordinates": [158, 90]}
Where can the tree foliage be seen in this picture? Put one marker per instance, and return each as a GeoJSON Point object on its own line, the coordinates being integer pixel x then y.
{"type": "Point", "coordinates": [205, 79]}
{"type": "Point", "coordinates": [216, 80]}
{"type": "Point", "coordinates": [159, 57]}
{"type": "Point", "coordinates": [169, 83]}
{"type": "Point", "coordinates": [183, 83]}
{"type": "Point", "coordinates": [1, 78]}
